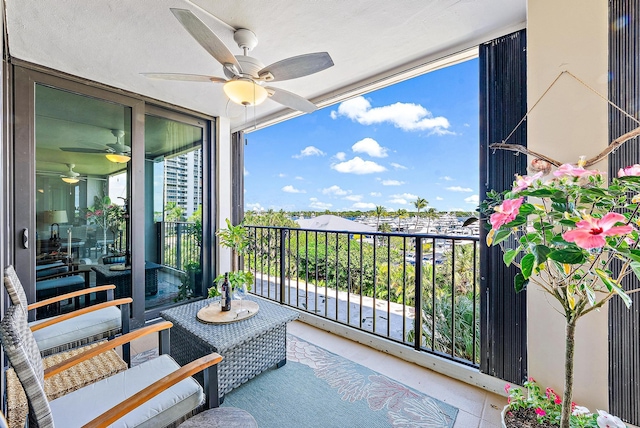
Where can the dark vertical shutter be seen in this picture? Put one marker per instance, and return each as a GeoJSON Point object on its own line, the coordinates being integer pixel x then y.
{"type": "Point", "coordinates": [624, 91]}
{"type": "Point", "coordinates": [503, 102]}
{"type": "Point", "coordinates": [237, 177]}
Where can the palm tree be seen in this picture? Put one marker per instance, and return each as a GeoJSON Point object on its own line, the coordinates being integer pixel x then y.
{"type": "Point", "coordinates": [379, 212]}
{"type": "Point", "coordinates": [431, 214]}
{"type": "Point", "coordinates": [420, 203]}
{"type": "Point", "coordinates": [400, 213]}
{"type": "Point", "coordinates": [173, 212]}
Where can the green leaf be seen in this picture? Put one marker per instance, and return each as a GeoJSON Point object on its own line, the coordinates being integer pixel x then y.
{"type": "Point", "coordinates": [591, 295]}
{"type": "Point", "coordinates": [634, 255]}
{"type": "Point", "coordinates": [519, 282]}
{"type": "Point", "coordinates": [509, 255]}
{"type": "Point", "coordinates": [635, 266]}
{"type": "Point", "coordinates": [530, 238]}
{"type": "Point", "coordinates": [604, 276]}
{"type": "Point", "coordinates": [624, 296]}
{"type": "Point", "coordinates": [527, 264]}
{"type": "Point", "coordinates": [569, 255]}
{"type": "Point", "coordinates": [566, 222]}
{"type": "Point", "coordinates": [501, 235]}
{"type": "Point", "coordinates": [542, 193]}
{"type": "Point", "coordinates": [526, 209]}
{"type": "Point", "coordinates": [541, 252]}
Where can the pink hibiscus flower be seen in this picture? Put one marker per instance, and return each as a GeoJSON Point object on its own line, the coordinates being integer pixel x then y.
{"type": "Point", "coordinates": [526, 181]}
{"type": "Point", "coordinates": [632, 171]}
{"type": "Point", "coordinates": [506, 212]}
{"type": "Point", "coordinates": [590, 232]}
{"type": "Point", "coordinates": [569, 170]}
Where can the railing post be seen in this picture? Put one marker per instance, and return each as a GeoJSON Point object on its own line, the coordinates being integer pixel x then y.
{"type": "Point", "coordinates": [283, 254]}
{"type": "Point", "coordinates": [160, 235]}
{"type": "Point", "coordinates": [178, 246]}
{"type": "Point", "coordinates": [417, 329]}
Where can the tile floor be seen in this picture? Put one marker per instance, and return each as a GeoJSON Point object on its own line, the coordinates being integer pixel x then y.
{"type": "Point", "coordinates": [478, 408]}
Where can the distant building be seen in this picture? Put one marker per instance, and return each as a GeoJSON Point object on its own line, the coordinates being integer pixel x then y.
{"type": "Point", "coordinates": [183, 181]}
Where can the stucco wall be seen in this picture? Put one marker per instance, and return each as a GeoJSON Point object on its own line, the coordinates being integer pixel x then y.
{"type": "Point", "coordinates": [224, 187]}
{"type": "Point", "coordinates": [568, 122]}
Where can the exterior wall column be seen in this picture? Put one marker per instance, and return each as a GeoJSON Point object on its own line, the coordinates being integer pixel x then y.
{"type": "Point", "coordinates": [224, 188]}
{"type": "Point", "coordinates": [568, 122]}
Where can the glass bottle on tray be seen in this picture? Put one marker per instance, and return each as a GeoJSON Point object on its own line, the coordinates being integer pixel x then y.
{"type": "Point", "coordinates": [225, 291]}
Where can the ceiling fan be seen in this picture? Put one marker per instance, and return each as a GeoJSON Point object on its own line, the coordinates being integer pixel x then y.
{"type": "Point", "coordinates": [115, 152]}
{"type": "Point", "coordinates": [70, 176]}
{"type": "Point", "coordinates": [245, 74]}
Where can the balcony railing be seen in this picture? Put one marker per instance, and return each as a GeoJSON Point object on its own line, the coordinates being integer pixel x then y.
{"type": "Point", "coordinates": [178, 244]}
{"type": "Point", "coordinates": [390, 285]}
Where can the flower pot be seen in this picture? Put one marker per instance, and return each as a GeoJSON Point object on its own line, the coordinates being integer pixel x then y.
{"type": "Point", "coordinates": [504, 411]}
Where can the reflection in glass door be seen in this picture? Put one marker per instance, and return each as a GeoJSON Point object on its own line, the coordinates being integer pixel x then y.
{"type": "Point", "coordinates": [82, 155]}
{"type": "Point", "coordinates": [173, 218]}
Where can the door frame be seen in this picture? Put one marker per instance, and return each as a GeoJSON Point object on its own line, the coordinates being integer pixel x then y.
{"type": "Point", "coordinates": [22, 146]}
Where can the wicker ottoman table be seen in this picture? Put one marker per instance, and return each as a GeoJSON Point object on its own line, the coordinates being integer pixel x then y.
{"type": "Point", "coordinates": [249, 347]}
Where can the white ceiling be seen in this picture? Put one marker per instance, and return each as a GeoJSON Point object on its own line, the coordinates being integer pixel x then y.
{"type": "Point", "coordinates": [112, 41]}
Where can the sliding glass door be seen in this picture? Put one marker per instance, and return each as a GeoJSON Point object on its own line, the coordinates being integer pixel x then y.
{"type": "Point", "coordinates": [111, 188]}
{"type": "Point", "coordinates": [173, 207]}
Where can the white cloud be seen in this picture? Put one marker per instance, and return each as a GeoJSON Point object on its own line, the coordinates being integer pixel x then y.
{"type": "Point", "coordinates": [246, 172]}
{"type": "Point", "coordinates": [446, 178]}
{"type": "Point", "coordinates": [282, 175]}
{"type": "Point", "coordinates": [438, 198]}
{"type": "Point", "coordinates": [392, 183]}
{"type": "Point", "coordinates": [370, 147]}
{"type": "Point", "coordinates": [255, 207]}
{"type": "Point", "coordinates": [309, 151]}
{"type": "Point", "coordinates": [334, 190]}
{"type": "Point", "coordinates": [473, 199]}
{"type": "Point", "coordinates": [354, 198]}
{"type": "Point", "coordinates": [459, 189]}
{"type": "Point", "coordinates": [299, 178]}
{"type": "Point", "coordinates": [341, 156]}
{"type": "Point", "coordinates": [375, 194]}
{"type": "Point", "coordinates": [405, 196]}
{"type": "Point", "coordinates": [358, 166]}
{"type": "Point", "coordinates": [314, 203]}
{"type": "Point", "coordinates": [290, 189]}
{"type": "Point", "coordinates": [398, 201]}
{"type": "Point", "coordinates": [364, 206]}
{"type": "Point", "coordinates": [406, 116]}
{"type": "Point", "coordinates": [398, 166]}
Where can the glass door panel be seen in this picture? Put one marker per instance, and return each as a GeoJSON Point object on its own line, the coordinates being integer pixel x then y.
{"type": "Point", "coordinates": [173, 217]}
{"type": "Point", "coordinates": [82, 153]}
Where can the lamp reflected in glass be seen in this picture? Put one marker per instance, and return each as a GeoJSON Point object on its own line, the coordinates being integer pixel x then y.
{"type": "Point", "coordinates": [118, 157]}
{"type": "Point", "coordinates": [70, 180]}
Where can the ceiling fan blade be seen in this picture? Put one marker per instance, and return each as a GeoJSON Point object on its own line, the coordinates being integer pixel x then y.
{"type": "Point", "coordinates": [291, 100]}
{"type": "Point", "coordinates": [184, 77]}
{"type": "Point", "coordinates": [207, 38]}
{"type": "Point", "coordinates": [297, 66]}
{"type": "Point", "coordinates": [82, 150]}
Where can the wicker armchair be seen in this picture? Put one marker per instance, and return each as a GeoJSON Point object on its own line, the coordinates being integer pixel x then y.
{"type": "Point", "coordinates": [73, 329]}
{"type": "Point", "coordinates": [156, 393]}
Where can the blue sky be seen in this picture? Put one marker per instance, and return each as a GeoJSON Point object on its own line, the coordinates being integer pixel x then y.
{"type": "Point", "coordinates": [418, 138]}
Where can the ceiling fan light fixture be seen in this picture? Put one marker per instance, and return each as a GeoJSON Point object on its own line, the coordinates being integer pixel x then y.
{"type": "Point", "coordinates": [245, 92]}
{"type": "Point", "coordinates": [70, 180]}
{"type": "Point", "coordinates": [118, 158]}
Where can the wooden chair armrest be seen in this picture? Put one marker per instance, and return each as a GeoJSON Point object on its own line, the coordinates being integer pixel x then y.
{"type": "Point", "coordinates": [66, 296]}
{"type": "Point", "coordinates": [93, 308]}
{"type": "Point", "coordinates": [106, 346]}
{"type": "Point", "coordinates": [188, 370]}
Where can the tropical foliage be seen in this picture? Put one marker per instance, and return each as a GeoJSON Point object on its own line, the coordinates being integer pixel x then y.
{"type": "Point", "coordinates": [576, 239]}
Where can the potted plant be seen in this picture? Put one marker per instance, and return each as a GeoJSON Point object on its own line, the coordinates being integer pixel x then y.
{"type": "Point", "coordinates": [574, 237]}
{"type": "Point", "coordinates": [235, 238]}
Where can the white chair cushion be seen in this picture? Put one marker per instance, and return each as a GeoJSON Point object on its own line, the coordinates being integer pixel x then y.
{"type": "Point", "coordinates": [81, 406]}
{"type": "Point", "coordinates": [79, 330]}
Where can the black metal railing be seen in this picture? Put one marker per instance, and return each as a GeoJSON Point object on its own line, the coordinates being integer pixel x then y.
{"type": "Point", "coordinates": [388, 284]}
{"type": "Point", "coordinates": [178, 244]}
